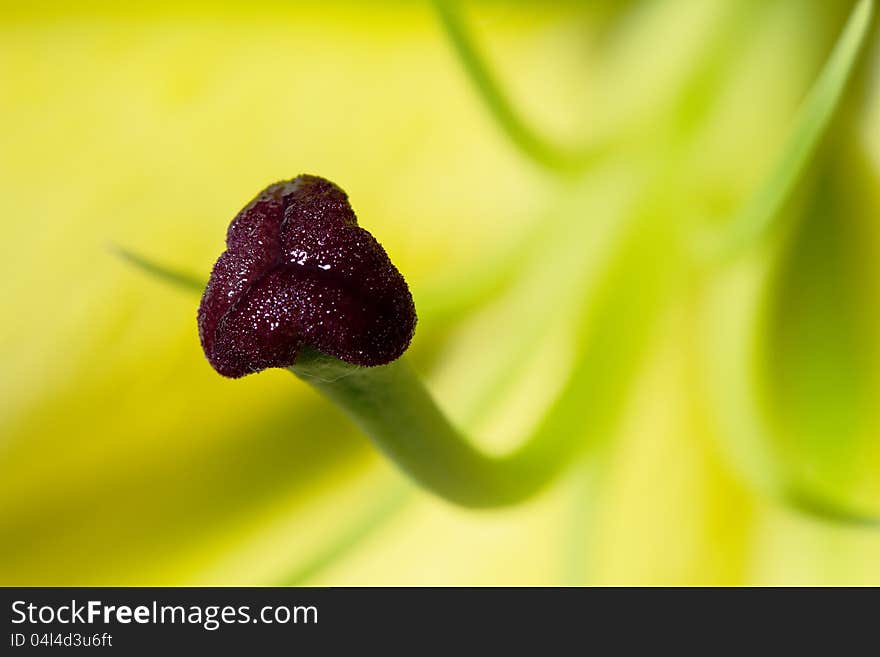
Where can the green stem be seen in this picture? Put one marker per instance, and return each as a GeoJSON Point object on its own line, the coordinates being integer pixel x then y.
{"type": "Point", "coordinates": [393, 407]}
{"type": "Point", "coordinates": [532, 144]}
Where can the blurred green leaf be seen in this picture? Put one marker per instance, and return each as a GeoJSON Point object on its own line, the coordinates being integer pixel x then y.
{"type": "Point", "coordinates": [819, 338]}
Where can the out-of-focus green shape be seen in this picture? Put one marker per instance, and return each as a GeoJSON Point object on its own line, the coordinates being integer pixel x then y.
{"type": "Point", "coordinates": [757, 216]}
{"type": "Point", "coordinates": [739, 308]}
{"type": "Point", "coordinates": [527, 139]}
{"type": "Point", "coordinates": [733, 320]}
{"type": "Point", "coordinates": [175, 277]}
{"type": "Point", "coordinates": [388, 505]}
{"type": "Point", "coordinates": [576, 549]}
{"type": "Point", "coordinates": [453, 295]}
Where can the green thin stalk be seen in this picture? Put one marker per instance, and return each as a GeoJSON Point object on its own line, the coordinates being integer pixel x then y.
{"type": "Point", "coordinates": [392, 406]}
{"type": "Point", "coordinates": [524, 137]}
{"type": "Point", "coordinates": [761, 213]}
{"type": "Point", "coordinates": [175, 277]}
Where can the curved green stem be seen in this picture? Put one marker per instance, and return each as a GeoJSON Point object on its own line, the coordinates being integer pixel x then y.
{"type": "Point", "coordinates": [392, 406]}
{"type": "Point", "coordinates": [511, 122]}
{"type": "Point", "coordinates": [759, 215]}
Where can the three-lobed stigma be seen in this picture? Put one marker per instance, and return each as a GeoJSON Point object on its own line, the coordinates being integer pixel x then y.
{"type": "Point", "coordinates": [297, 271]}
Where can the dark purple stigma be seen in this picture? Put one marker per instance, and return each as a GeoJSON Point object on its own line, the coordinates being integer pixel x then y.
{"type": "Point", "coordinates": [298, 270]}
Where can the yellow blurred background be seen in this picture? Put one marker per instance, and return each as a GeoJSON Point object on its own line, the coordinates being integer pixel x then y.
{"type": "Point", "coordinates": [126, 460]}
